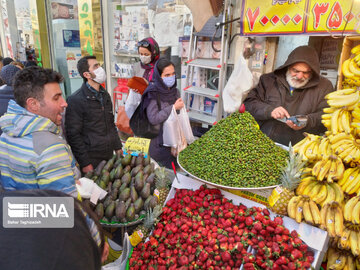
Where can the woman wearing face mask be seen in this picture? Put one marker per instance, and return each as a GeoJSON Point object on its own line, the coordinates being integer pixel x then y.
{"type": "Point", "coordinates": [162, 88]}
{"type": "Point", "coordinates": [149, 53]}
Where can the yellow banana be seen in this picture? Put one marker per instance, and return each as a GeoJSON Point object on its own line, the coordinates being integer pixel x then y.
{"type": "Point", "coordinates": [323, 213]}
{"type": "Point", "coordinates": [303, 184]}
{"type": "Point", "coordinates": [318, 165]}
{"type": "Point", "coordinates": [355, 214]}
{"type": "Point", "coordinates": [332, 256]}
{"type": "Point", "coordinates": [300, 145]}
{"type": "Point", "coordinates": [351, 180]}
{"type": "Point", "coordinates": [346, 100]}
{"type": "Point", "coordinates": [345, 69]}
{"type": "Point", "coordinates": [315, 190]}
{"type": "Point", "coordinates": [339, 220]}
{"type": "Point", "coordinates": [353, 67]}
{"type": "Point", "coordinates": [356, 50]}
{"type": "Point", "coordinates": [324, 170]}
{"type": "Point", "coordinates": [344, 239]}
{"type": "Point", "coordinates": [339, 264]}
{"type": "Point", "coordinates": [307, 212]}
{"type": "Point", "coordinates": [340, 169]}
{"type": "Point", "coordinates": [349, 206]}
{"type": "Point", "coordinates": [332, 171]}
{"type": "Point", "coordinates": [330, 221]}
{"type": "Point", "coordinates": [330, 195]}
{"type": "Point", "coordinates": [354, 243]}
{"type": "Point", "coordinates": [344, 152]}
{"type": "Point", "coordinates": [299, 211]}
{"type": "Point", "coordinates": [354, 187]}
{"type": "Point", "coordinates": [328, 110]}
{"type": "Point", "coordinates": [322, 194]}
{"type": "Point", "coordinates": [315, 212]}
{"type": "Point", "coordinates": [306, 172]}
{"type": "Point", "coordinates": [346, 175]}
{"type": "Point", "coordinates": [340, 92]}
{"type": "Point", "coordinates": [339, 137]}
{"type": "Point", "coordinates": [345, 121]}
{"type": "Point", "coordinates": [334, 121]}
{"type": "Point", "coordinates": [356, 114]}
{"type": "Point", "coordinates": [291, 207]}
{"type": "Point", "coordinates": [350, 263]}
{"type": "Point", "coordinates": [339, 194]}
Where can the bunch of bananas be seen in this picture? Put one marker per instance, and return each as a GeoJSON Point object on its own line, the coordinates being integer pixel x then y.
{"type": "Point", "coordinates": [308, 147]}
{"type": "Point", "coordinates": [346, 147]}
{"type": "Point", "coordinates": [353, 241]}
{"type": "Point", "coordinates": [350, 183]}
{"type": "Point", "coordinates": [352, 210]}
{"type": "Point", "coordinates": [330, 168]}
{"type": "Point", "coordinates": [355, 124]}
{"type": "Point", "coordinates": [336, 120]}
{"type": "Point", "coordinates": [320, 192]}
{"type": "Point", "coordinates": [337, 260]}
{"type": "Point", "coordinates": [332, 219]}
{"type": "Point", "coordinates": [351, 69]}
{"type": "Point", "coordinates": [302, 207]}
{"type": "Point", "coordinates": [343, 98]}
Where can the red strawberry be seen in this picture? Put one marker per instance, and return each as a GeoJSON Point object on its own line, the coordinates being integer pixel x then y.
{"type": "Point", "coordinates": [248, 221]}
{"type": "Point", "coordinates": [225, 256]}
{"type": "Point", "coordinates": [278, 220]}
{"type": "Point", "coordinates": [183, 260]}
{"type": "Point", "coordinates": [258, 226]}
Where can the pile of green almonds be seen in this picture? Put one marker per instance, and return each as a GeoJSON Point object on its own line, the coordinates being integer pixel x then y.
{"type": "Point", "coordinates": [235, 153]}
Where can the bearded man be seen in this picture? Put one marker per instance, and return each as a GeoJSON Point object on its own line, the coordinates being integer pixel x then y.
{"type": "Point", "coordinates": [295, 88]}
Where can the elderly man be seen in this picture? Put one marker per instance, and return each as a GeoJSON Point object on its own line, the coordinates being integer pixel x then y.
{"type": "Point", "coordinates": [295, 88]}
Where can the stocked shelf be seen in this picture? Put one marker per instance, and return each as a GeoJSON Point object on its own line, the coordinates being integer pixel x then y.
{"type": "Point", "coordinates": [127, 55]}
{"type": "Point", "coordinates": [202, 118]}
{"type": "Point", "coordinates": [206, 92]}
{"type": "Point", "coordinates": [205, 63]}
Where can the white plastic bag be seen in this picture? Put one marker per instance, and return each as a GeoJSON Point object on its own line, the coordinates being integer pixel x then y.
{"type": "Point", "coordinates": [171, 131]}
{"type": "Point", "coordinates": [132, 103]}
{"type": "Point", "coordinates": [238, 86]}
{"type": "Point", "coordinates": [120, 263]}
{"type": "Point", "coordinates": [185, 125]}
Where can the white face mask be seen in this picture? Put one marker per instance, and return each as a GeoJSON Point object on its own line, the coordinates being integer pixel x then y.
{"type": "Point", "coordinates": [145, 59]}
{"type": "Point", "coordinates": [100, 75]}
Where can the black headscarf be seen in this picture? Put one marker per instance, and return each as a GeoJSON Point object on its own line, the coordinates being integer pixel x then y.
{"type": "Point", "coordinates": [158, 88]}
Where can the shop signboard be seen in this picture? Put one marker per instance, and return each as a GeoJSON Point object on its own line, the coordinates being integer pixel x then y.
{"type": "Point", "coordinates": [300, 17]}
{"type": "Point", "coordinates": [36, 32]}
{"type": "Point", "coordinates": [86, 25]}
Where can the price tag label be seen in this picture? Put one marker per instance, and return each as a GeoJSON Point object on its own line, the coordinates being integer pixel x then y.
{"type": "Point", "coordinates": [135, 146]}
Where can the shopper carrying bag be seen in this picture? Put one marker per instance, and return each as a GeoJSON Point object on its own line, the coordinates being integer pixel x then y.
{"type": "Point", "coordinates": [163, 87]}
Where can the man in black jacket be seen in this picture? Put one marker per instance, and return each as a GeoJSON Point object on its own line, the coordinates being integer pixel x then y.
{"type": "Point", "coordinates": [89, 118]}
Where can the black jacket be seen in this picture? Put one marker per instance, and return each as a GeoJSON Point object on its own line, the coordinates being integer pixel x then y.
{"type": "Point", "coordinates": [90, 128]}
{"type": "Point", "coordinates": [273, 91]}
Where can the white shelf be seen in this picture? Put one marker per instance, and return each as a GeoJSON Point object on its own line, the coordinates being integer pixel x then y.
{"type": "Point", "coordinates": [127, 55]}
{"type": "Point", "coordinates": [207, 92]}
{"type": "Point", "coordinates": [202, 118]}
{"type": "Point", "coordinates": [206, 63]}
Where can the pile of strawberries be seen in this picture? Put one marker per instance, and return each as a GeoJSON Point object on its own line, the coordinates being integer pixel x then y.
{"type": "Point", "coordinates": [203, 230]}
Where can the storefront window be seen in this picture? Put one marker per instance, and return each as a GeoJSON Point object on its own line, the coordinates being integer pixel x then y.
{"type": "Point", "coordinates": [130, 21]}
{"type": "Point", "coordinates": [76, 31]}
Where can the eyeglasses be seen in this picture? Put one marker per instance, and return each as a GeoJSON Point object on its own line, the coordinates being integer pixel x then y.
{"type": "Point", "coordinates": [143, 43]}
{"type": "Point", "coordinates": [305, 73]}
